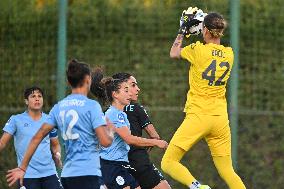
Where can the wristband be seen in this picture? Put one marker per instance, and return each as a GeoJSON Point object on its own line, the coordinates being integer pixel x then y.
{"type": "Point", "coordinates": [22, 169]}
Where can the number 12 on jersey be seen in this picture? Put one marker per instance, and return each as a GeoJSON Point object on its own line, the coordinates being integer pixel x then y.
{"type": "Point", "coordinates": [68, 135]}
{"type": "Point", "coordinates": [211, 76]}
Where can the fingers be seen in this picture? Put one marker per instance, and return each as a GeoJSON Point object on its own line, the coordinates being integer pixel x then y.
{"type": "Point", "coordinates": [194, 10]}
{"type": "Point", "coordinates": [13, 175]}
{"type": "Point", "coordinates": [21, 181]}
{"type": "Point", "coordinates": [149, 149]}
{"type": "Point", "coordinates": [165, 145]}
{"type": "Point", "coordinates": [191, 10]}
{"type": "Point", "coordinates": [12, 170]}
{"type": "Point", "coordinates": [11, 179]}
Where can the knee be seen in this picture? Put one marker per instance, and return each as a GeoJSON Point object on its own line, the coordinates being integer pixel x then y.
{"type": "Point", "coordinates": [228, 173]}
{"type": "Point", "coordinates": [166, 164]}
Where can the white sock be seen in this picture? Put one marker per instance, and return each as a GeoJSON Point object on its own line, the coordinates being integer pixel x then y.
{"type": "Point", "coordinates": [194, 185]}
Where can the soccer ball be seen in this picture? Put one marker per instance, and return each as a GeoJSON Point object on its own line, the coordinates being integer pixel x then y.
{"type": "Point", "coordinates": [198, 27]}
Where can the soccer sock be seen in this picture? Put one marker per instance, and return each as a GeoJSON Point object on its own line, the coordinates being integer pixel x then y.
{"type": "Point", "coordinates": [195, 185]}
{"type": "Point", "coordinates": [226, 171]}
{"type": "Point", "coordinates": [171, 165]}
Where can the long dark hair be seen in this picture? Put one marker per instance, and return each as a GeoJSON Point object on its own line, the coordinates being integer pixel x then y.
{"type": "Point", "coordinates": [102, 87]}
{"type": "Point", "coordinates": [76, 72]}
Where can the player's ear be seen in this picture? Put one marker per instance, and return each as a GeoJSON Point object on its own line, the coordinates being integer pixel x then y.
{"type": "Point", "coordinates": [114, 94]}
{"type": "Point", "coordinates": [26, 102]}
{"type": "Point", "coordinates": [88, 80]}
{"type": "Point", "coordinates": [205, 30]}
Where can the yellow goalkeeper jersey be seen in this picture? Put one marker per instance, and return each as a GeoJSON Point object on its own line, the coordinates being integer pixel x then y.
{"type": "Point", "coordinates": [209, 72]}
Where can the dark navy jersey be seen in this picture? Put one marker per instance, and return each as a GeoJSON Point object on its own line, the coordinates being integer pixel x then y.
{"type": "Point", "coordinates": [138, 119]}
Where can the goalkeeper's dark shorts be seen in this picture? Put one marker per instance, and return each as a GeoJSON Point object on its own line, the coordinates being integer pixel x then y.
{"type": "Point", "coordinates": [146, 174]}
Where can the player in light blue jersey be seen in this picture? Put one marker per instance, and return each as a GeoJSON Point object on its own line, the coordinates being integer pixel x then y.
{"type": "Point", "coordinates": [82, 125]}
{"type": "Point", "coordinates": [41, 172]}
{"type": "Point", "coordinates": [114, 159]}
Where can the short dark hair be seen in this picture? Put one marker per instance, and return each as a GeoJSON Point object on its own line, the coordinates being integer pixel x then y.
{"type": "Point", "coordinates": [76, 72]}
{"type": "Point", "coordinates": [30, 90]}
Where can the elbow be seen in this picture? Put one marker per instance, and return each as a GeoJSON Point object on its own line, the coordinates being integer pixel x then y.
{"type": "Point", "coordinates": [106, 143]}
{"type": "Point", "coordinates": [2, 146]}
{"type": "Point", "coordinates": [174, 55]}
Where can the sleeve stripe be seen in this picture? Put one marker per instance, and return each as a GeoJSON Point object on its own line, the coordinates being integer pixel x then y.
{"type": "Point", "coordinates": [146, 124]}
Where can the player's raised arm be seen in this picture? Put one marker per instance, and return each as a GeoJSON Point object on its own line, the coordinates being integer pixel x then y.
{"type": "Point", "coordinates": [176, 47]}
{"type": "Point", "coordinates": [186, 16]}
{"type": "Point", "coordinates": [18, 173]}
{"type": "Point", "coordinates": [190, 23]}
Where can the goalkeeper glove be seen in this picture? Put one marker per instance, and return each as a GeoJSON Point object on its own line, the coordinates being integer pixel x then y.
{"type": "Point", "coordinates": [186, 17]}
{"type": "Point", "coordinates": [196, 24]}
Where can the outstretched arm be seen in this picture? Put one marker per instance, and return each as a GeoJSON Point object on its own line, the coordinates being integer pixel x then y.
{"type": "Point", "coordinates": [125, 134]}
{"type": "Point", "coordinates": [18, 173]}
{"type": "Point", "coordinates": [151, 131]}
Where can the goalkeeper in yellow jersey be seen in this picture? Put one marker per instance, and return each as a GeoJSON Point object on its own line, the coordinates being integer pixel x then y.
{"type": "Point", "coordinates": [206, 106]}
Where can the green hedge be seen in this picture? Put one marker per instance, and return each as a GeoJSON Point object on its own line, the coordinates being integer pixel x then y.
{"type": "Point", "coordinates": [135, 36]}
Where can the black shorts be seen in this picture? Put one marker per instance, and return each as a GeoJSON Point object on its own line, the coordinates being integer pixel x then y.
{"type": "Point", "coordinates": [49, 182]}
{"type": "Point", "coordinates": [116, 175]}
{"type": "Point", "coordinates": [82, 182]}
{"type": "Point", "coordinates": [146, 174]}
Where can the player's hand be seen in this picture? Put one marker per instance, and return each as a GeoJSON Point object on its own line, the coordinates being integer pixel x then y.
{"type": "Point", "coordinates": [15, 174]}
{"type": "Point", "coordinates": [57, 160]}
{"type": "Point", "coordinates": [186, 17]}
{"type": "Point", "coordinates": [162, 144]}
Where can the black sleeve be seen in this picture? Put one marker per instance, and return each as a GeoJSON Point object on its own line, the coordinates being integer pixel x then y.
{"type": "Point", "coordinates": [143, 117]}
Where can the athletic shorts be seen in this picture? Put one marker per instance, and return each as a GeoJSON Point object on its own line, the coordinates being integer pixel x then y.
{"type": "Point", "coordinates": [82, 182]}
{"type": "Point", "coordinates": [215, 130]}
{"type": "Point", "coordinates": [116, 175]}
{"type": "Point", "coordinates": [49, 182]}
{"type": "Point", "coordinates": [145, 173]}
